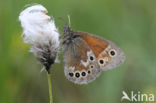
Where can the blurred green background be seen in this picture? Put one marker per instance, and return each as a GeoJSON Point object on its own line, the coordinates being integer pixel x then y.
{"type": "Point", "coordinates": [131, 24]}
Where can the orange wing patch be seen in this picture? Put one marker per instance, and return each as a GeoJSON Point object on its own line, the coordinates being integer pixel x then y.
{"type": "Point", "coordinates": [99, 46]}
{"type": "Point", "coordinates": [96, 44]}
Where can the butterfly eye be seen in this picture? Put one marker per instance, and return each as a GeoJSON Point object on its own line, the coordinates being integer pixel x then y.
{"type": "Point", "coordinates": [77, 75]}
{"type": "Point", "coordinates": [75, 36]}
{"type": "Point", "coordinates": [112, 53]}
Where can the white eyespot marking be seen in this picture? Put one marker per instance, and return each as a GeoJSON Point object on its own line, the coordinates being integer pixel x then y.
{"type": "Point", "coordinates": [91, 66]}
{"type": "Point", "coordinates": [90, 57]}
{"type": "Point", "coordinates": [83, 73]}
{"type": "Point", "coordinates": [112, 53]}
{"type": "Point", "coordinates": [71, 74]}
{"type": "Point", "coordinates": [101, 62]}
{"type": "Point", "coordinates": [85, 63]}
{"type": "Point", "coordinates": [89, 71]}
{"type": "Point", "coordinates": [77, 74]}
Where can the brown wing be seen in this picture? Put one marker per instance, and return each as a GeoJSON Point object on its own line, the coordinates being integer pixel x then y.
{"type": "Point", "coordinates": [95, 43]}
{"type": "Point", "coordinates": [107, 53]}
{"type": "Point", "coordinates": [78, 66]}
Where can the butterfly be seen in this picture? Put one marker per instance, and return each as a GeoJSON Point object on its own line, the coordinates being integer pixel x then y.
{"type": "Point", "coordinates": [86, 55]}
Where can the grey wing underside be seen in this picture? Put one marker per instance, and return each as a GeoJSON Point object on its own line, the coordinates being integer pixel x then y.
{"type": "Point", "coordinates": [115, 61]}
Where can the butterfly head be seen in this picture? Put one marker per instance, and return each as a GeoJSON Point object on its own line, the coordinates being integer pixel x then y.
{"type": "Point", "coordinates": [69, 35]}
{"type": "Point", "coordinates": [67, 30]}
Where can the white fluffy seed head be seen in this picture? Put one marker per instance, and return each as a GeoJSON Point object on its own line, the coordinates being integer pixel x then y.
{"type": "Point", "coordinates": [40, 31]}
{"type": "Point", "coordinates": [37, 25]}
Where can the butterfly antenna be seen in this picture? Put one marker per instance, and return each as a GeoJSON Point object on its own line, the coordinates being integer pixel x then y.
{"type": "Point", "coordinates": [69, 20]}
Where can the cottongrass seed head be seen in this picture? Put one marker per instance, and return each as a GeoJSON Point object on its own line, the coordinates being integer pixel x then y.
{"type": "Point", "coordinates": [40, 31]}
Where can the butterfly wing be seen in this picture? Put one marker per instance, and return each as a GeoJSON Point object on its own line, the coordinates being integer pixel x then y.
{"type": "Point", "coordinates": [107, 53]}
{"type": "Point", "coordinates": [80, 62]}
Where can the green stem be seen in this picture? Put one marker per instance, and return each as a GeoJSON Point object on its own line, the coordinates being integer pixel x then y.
{"type": "Point", "coordinates": [50, 87]}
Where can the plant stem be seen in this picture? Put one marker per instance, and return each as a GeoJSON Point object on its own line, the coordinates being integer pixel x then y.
{"type": "Point", "coordinates": [50, 87]}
